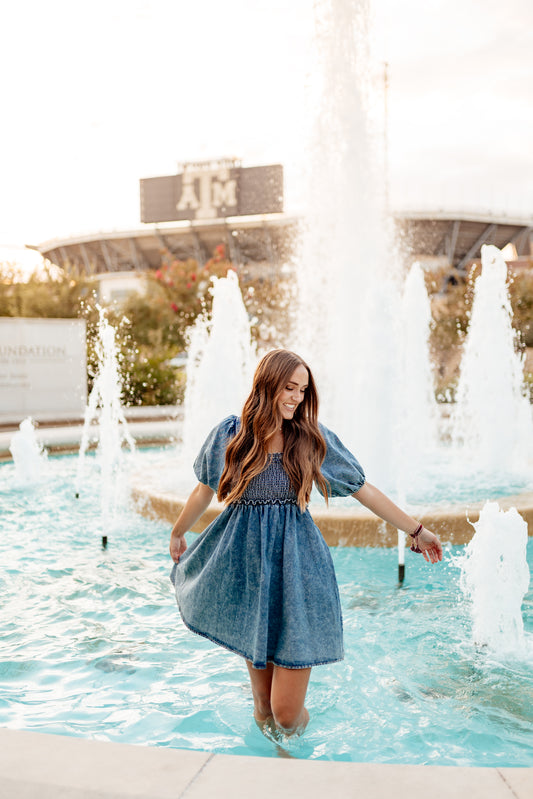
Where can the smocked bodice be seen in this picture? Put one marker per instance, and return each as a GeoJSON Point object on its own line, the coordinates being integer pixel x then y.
{"type": "Point", "coordinates": [271, 487]}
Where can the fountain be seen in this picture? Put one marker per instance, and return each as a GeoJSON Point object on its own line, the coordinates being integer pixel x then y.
{"type": "Point", "coordinates": [221, 361]}
{"type": "Point", "coordinates": [415, 430]}
{"type": "Point", "coordinates": [28, 454]}
{"type": "Point", "coordinates": [370, 351]}
{"type": "Point", "coordinates": [363, 320]}
{"type": "Point", "coordinates": [418, 414]}
{"type": "Point", "coordinates": [495, 579]}
{"type": "Point", "coordinates": [492, 417]}
{"type": "Point", "coordinates": [104, 406]}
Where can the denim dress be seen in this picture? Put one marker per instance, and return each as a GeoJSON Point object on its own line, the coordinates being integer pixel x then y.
{"type": "Point", "coordinates": [260, 580]}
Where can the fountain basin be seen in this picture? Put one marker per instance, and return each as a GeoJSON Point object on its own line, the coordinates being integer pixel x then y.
{"type": "Point", "coordinates": [347, 527]}
{"type": "Point", "coordinates": [97, 649]}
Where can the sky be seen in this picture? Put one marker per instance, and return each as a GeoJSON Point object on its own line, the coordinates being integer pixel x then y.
{"type": "Point", "coordinates": [97, 95]}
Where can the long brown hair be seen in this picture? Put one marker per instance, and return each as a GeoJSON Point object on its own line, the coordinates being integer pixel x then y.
{"type": "Point", "coordinates": [304, 446]}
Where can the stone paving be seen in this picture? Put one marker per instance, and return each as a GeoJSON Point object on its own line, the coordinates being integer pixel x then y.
{"type": "Point", "coordinates": [39, 766]}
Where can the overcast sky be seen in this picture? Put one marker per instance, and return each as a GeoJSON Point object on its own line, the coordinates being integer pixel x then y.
{"type": "Point", "coordinates": [96, 95]}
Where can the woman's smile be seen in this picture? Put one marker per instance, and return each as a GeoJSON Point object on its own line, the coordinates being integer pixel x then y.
{"type": "Point", "coordinates": [293, 393]}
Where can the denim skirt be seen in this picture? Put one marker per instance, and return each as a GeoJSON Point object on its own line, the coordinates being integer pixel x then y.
{"type": "Point", "coordinates": [260, 582]}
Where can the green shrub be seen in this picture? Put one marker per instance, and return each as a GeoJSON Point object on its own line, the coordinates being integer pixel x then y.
{"type": "Point", "coordinates": [152, 381]}
{"type": "Point", "coordinates": [48, 293]}
{"type": "Point", "coordinates": [521, 293]}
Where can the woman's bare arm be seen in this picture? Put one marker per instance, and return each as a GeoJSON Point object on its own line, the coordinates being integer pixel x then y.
{"type": "Point", "coordinates": [376, 501]}
{"type": "Point", "coordinates": [198, 501]}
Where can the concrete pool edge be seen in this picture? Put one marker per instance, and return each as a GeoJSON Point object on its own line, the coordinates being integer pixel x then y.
{"type": "Point", "coordinates": [45, 765]}
{"type": "Point", "coordinates": [350, 527]}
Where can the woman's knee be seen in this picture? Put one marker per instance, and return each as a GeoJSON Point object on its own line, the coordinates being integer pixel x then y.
{"type": "Point", "coordinates": [289, 687]}
{"type": "Point", "coordinates": [289, 717]}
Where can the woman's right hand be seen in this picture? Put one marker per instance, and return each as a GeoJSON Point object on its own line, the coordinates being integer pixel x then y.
{"type": "Point", "coordinates": [178, 545]}
{"type": "Point", "coordinates": [197, 503]}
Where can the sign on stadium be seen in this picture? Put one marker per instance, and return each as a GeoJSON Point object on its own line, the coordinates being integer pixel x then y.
{"type": "Point", "coordinates": [212, 189]}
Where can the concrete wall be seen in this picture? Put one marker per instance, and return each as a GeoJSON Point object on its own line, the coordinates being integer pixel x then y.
{"type": "Point", "coordinates": [42, 369]}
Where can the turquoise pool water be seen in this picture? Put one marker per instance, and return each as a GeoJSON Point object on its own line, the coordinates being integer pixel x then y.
{"type": "Point", "coordinates": [92, 646]}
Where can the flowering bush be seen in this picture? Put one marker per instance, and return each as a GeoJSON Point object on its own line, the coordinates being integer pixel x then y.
{"type": "Point", "coordinates": [184, 285]}
{"type": "Point", "coordinates": [157, 324]}
{"type": "Point", "coordinates": [152, 327]}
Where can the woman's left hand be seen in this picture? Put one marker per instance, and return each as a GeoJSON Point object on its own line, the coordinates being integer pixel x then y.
{"type": "Point", "coordinates": [429, 545]}
{"type": "Point", "coordinates": [379, 503]}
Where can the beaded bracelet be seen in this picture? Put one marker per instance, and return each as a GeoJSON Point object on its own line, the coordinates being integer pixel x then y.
{"type": "Point", "coordinates": [414, 545]}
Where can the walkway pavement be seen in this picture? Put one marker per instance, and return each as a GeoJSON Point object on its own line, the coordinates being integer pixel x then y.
{"type": "Point", "coordinates": [38, 766]}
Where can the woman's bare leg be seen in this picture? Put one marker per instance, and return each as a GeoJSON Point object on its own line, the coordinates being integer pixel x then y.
{"type": "Point", "coordinates": [287, 698]}
{"type": "Point", "coordinates": [261, 680]}
{"type": "Point", "coordinates": [279, 696]}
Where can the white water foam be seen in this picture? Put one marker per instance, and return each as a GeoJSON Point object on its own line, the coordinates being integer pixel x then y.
{"type": "Point", "coordinates": [111, 431]}
{"type": "Point", "coordinates": [419, 416]}
{"type": "Point", "coordinates": [28, 455]}
{"type": "Point", "coordinates": [221, 361]}
{"type": "Point", "coordinates": [492, 420]}
{"type": "Point", "coordinates": [495, 579]}
{"type": "Point", "coordinates": [357, 325]}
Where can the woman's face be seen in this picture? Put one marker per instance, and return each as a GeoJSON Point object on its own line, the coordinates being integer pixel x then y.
{"type": "Point", "coordinates": [293, 392]}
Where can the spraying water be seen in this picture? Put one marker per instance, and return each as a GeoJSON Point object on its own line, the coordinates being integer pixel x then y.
{"type": "Point", "coordinates": [417, 422]}
{"type": "Point", "coordinates": [492, 420]}
{"type": "Point", "coordinates": [104, 406]}
{"type": "Point", "coordinates": [221, 360]}
{"type": "Point", "coordinates": [28, 455]}
{"type": "Point", "coordinates": [368, 346]}
{"type": "Point", "coordinates": [363, 329]}
{"type": "Point", "coordinates": [418, 416]}
{"type": "Point", "coordinates": [495, 578]}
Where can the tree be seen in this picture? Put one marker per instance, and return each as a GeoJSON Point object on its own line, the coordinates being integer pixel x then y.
{"type": "Point", "coordinates": [152, 328]}
{"type": "Point", "coordinates": [47, 293]}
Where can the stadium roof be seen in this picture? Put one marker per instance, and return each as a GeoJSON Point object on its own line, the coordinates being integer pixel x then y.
{"type": "Point", "coordinates": [270, 238]}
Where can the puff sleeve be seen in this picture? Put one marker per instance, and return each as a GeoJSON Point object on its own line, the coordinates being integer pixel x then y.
{"type": "Point", "coordinates": [341, 469]}
{"type": "Point", "coordinates": [209, 463]}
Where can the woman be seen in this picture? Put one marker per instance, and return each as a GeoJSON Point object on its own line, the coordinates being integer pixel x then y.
{"type": "Point", "coordinates": [260, 579]}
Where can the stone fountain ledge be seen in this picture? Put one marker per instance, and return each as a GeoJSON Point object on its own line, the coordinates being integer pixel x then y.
{"type": "Point", "coordinates": [344, 526]}
{"type": "Point", "coordinates": [52, 766]}
{"type": "Point", "coordinates": [148, 426]}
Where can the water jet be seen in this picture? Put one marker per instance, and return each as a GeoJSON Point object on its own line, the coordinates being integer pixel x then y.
{"type": "Point", "coordinates": [111, 429]}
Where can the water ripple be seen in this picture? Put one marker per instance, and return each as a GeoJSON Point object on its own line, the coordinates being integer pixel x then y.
{"type": "Point", "coordinates": [92, 646]}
